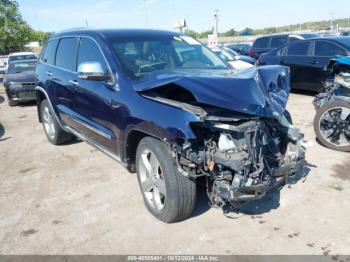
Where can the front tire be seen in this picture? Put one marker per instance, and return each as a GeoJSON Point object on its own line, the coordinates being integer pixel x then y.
{"type": "Point", "coordinates": [54, 133]}
{"type": "Point", "coordinates": [332, 125]}
{"type": "Point", "coordinates": [167, 194]}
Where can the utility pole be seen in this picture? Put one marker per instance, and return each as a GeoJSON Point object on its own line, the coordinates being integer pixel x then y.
{"type": "Point", "coordinates": [216, 17]}
{"type": "Point", "coordinates": [146, 12]}
{"type": "Point", "coordinates": [332, 21]}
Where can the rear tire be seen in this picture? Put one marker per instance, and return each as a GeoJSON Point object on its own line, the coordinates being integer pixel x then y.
{"type": "Point", "coordinates": [321, 134]}
{"type": "Point", "coordinates": [54, 133]}
{"type": "Point", "coordinates": [167, 194]}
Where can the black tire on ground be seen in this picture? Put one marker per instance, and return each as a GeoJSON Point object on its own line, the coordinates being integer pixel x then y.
{"type": "Point", "coordinates": [12, 103]}
{"type": "Point", "coordinates": [324, 142]}
{"type": "Point", "coordinates": [60, 136]}
{"type": "Point", "coordinates": [181, 192]}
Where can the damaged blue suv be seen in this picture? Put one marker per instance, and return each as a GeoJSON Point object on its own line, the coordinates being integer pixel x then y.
{"type": "Point", "coordinates": [169, 109]}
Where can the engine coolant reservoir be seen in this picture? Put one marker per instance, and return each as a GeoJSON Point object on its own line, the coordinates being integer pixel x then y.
{"type": "Point", "coordinates": [226, 142]}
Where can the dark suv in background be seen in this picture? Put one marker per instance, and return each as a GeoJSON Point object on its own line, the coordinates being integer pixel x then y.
{"type": "Point", "coordinates": [267, 43]}
{"type": "Point", "coordinates": [307, 60]}
{"type": "Point", "coordinates": [168, 108]}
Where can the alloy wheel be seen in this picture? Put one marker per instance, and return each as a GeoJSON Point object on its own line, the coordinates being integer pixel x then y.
{"type": "Point", "coordinates": [152, 180]}
{"type": "Point", "coordinates": [48, 123]}
{"type": "Point", "coordinates": [335, 126]}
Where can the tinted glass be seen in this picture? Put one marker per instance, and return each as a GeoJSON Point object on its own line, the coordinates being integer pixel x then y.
{"type": "Point", "coordinates": [140, 56]}
{"type": "Point", "coordinates": [345, 41]}
{"type": "Point", "coordinates": [49, 53]}
{"type": "Point", "coordinates": [293, 38]}
{"type": "Point", "coordinates": [21, 57]}
{"type": "Point", "coordinates": [300, 49]}
{"type": "Point", "coordinates": [328, 49]}
{"type": "Point", "coordinates": [90, 52]}
{"type": "Point", "coordinates": [308, 36]}
{"type": "Point", "coordinates": [261, 42]}
{"type": "Point", "coordinates": [19, 67]}
{"type": "Point", "coordinates": [66, 53]}
{"type": "Point", "coordinates": [278, 41]}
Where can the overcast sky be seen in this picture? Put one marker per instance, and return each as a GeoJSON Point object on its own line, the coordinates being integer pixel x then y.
{"type": "Point", "coordinates": [56, 15]}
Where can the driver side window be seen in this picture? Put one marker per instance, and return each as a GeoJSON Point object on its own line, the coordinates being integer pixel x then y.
{"type": "Point", "coordinates": [90, 52]}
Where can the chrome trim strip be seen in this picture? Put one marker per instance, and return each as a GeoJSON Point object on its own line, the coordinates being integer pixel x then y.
{"type": "Point", "coordinates": [101, 148]}
{"type": "Point", "coordinates": [90, 127]}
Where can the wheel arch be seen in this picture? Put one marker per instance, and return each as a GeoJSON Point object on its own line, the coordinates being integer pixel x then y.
{"type": "Point", "coordinates": [40, 96]}
{"type": "Point", "coordinates": [132, 141]}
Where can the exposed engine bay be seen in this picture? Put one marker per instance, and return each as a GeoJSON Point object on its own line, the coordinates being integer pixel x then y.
{"type": "Point", "coordinates": [242, 160]}
{"type": "Point", "coordinates": [244, 146]}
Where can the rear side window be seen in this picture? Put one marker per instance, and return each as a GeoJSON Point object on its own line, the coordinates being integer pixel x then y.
{"type": "Point", "coordinates": [49, 52]}
{"type": "Point", "coordinates": [261, 42]}
{"type": "Point", "coordinates": [300, 49]}
{"type": "Point", "coordinates": [328, 49]}
{"type": "Point", "coordinates": [67, 53]}
{"type": "Point", "coordinates": [278, 41]}
{"type": "Point", "coordinates": [90, 52]}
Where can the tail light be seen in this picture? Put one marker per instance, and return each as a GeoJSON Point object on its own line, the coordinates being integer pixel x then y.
{"type": "Point", "coordinates": [250, 52]}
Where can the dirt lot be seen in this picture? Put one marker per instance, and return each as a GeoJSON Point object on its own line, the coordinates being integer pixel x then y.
{"type": "Point", "coordinates": [73, 199]}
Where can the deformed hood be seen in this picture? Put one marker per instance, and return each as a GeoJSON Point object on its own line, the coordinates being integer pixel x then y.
{"type": "Point", "coordinates": [259, 91]}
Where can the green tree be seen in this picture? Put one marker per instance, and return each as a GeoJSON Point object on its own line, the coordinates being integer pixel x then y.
{"type": "Point", "coordinates": [231, 32]}
{"type": "Point", "coordinates": [14, 31]}
{"type": "Point", "coordinates": [39, 36]}
{"type": "Point", "coordinates": [206, 33]}
{"type": "Point", "coordinates": [192, 33]}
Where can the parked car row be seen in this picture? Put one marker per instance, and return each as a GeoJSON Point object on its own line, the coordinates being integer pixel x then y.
{"type": "Point", "coordinates": [268, 43]}
{"type": "Point", "coordinates": [231, 57]}
{"type": "Point", "coordinates": [307, 59]}
{"type": "Point", "coordinates": [19, 77]}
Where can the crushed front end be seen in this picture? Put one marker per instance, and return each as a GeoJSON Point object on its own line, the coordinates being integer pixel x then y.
{"type": "Point", "coordinates": [243, 159]}
{"type": "Point", "coordinates": [244, 142]}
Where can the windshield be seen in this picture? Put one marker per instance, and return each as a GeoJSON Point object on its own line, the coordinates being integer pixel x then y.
{"type": "Point", "coordinates": [225, 55]}
{"type": "Point", "coordinates": [16, 68]}
{"type": "Point", "coordinates": [140, 56]}
{"type": "Point", "coordinates": [21, 57]}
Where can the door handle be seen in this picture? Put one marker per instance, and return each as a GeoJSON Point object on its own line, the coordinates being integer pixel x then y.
{"type": "Point", "coordinates": [315, 62]}
{"type": "Point", "coordinates": [49, 73]}
{"type": "Point", "coordinates": [73, 82]}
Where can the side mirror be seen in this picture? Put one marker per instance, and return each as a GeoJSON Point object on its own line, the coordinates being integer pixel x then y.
{"type": "Point", "coordinates": [92, 71]}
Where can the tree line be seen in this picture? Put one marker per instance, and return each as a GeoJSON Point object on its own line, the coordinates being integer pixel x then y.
{"type": "Point", "coordinates": [314, 26]}
{"type": "Point", "coordinates": [15, 33]}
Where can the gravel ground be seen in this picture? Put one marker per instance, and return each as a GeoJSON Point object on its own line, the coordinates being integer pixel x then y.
{"type": "Point", "coordinates": [73, 199]}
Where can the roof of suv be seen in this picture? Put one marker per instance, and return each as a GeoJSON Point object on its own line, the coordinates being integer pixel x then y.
{"type": "Point", "coordinates": [109, 33]}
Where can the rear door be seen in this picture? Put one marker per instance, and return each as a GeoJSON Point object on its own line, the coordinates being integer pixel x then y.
{"type": "Point", "coordinates": [323, 51]}
{"type": "Point", "coordinates": [296, 56]}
